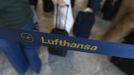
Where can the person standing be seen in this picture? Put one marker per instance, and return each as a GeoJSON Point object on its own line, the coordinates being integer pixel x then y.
{"type": "Point", "coordinates": [18, 14]}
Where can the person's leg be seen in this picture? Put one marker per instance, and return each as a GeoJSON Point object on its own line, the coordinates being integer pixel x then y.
{"type": "Point", "coordinates": [15, 55]}
{"type": "Point", "coordinates": [72, 3]}
{"type": "Point", "coordinates": [110, 9]}
{"type": "Point", "coordinates": [94, 5]}
{"type": "Point", "coordinates": [32, 52]}
{"type": "Point", "coordinates": [33, 3]}
{"type": "Point", "coordinates": [21, 55]}
{"type": "Point", "coordinates": [48, 6]}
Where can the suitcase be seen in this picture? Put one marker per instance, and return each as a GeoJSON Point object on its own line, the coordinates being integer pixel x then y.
{"type": "Point", "coordinates": [58, 51]}
{"type": "Point", "coordinates": [83, 24]}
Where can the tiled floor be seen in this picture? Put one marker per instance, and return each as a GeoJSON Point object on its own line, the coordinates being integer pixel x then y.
{"type": "Point", "coordinates": [75, 63]}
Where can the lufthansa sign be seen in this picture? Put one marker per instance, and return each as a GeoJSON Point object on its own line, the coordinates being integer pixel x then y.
{"type": "Point", "coordinates": [68, 43]}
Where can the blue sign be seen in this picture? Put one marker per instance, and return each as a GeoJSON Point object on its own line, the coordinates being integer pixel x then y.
{"type": "Point", "coordinates": [70, 43]}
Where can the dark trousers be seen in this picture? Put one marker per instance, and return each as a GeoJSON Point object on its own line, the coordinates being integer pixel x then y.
{"type": "Point", "coordinates": [72, 3]}
{"type": "Point", "coordinates": [94, 5]}
{"type": "Point", "coordinates": [110, 9]}
{"type": "Point", "coordinates": [33, 2]}
{"type": "Point", "coordinates": [47, 5]}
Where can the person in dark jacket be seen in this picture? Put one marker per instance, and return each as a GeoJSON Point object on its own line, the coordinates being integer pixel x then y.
{"type": "Point", "coordinates": [18, 14]}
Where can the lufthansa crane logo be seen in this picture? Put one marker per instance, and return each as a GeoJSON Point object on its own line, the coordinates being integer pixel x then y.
{"type": "Point", "coordinates": [27, 37]}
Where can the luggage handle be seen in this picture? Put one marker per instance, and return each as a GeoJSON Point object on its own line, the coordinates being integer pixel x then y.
{"type": "Point", "coordinates": [65, 16]}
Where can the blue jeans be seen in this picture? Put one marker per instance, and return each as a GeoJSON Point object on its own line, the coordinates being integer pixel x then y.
{"type": "Point", "coordinates": [20, 55]}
